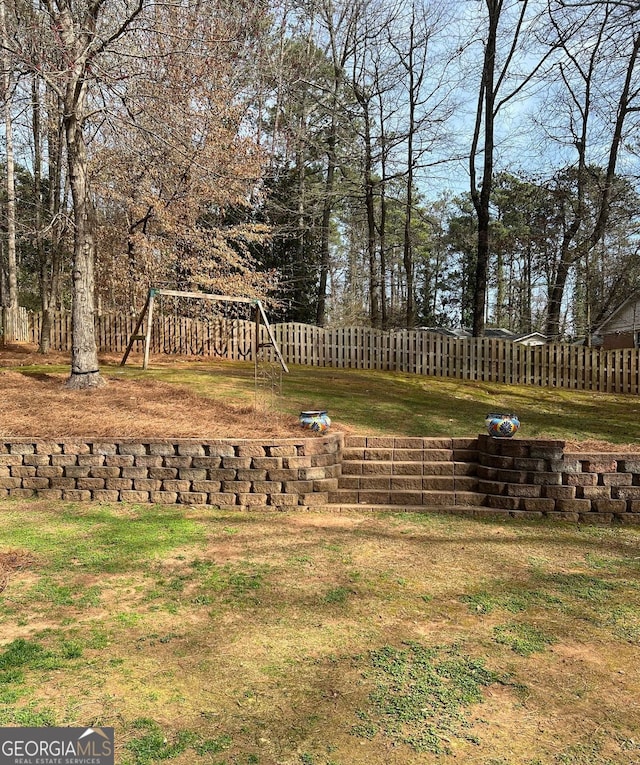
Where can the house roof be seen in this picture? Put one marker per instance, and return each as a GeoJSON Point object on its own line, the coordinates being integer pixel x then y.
{"type": "Point", "coordinates": [446, 331]}
{"type": "Point", "coordinates": [530, 336]}
{"type": "Point", "coordinates": [634, 297]}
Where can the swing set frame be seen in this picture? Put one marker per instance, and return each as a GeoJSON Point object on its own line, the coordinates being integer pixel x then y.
{"type": "Point", "coordinates": [259, 316]}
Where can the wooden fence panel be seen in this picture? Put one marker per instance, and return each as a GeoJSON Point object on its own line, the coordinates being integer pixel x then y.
{"type": "Point", "coordinates": [413, 351]}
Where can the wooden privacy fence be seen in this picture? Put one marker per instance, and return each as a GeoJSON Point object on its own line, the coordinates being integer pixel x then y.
{"type": "Point", "coordinates": [15, 327]}
{"type": "Point", "coordinates": [414, 351]}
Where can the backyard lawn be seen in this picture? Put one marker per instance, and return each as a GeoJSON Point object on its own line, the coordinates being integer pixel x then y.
{"type": "Point", "coordinates": [208, 399]}
{"type": "Point", "coordinates": [212, 637]}
{"type": "Point", "coordinates": [312, 638]}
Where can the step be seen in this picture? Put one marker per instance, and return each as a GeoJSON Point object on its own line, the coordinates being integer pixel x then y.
{"type": "Point", "coordinates": [410, 442]}
{"type": "Point", "coordinates": [404, 498]}
{"type": "Point", "coordinates": [408, 483]}
{"type": "Point", "coordinates": [389, 467]}
{"type": "Point", "coordinates": [390, 454]}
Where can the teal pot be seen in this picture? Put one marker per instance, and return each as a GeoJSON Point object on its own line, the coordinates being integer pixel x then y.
{"type": "Point", "coordinates": [502, 425]}
{"type": "Point", "coordinates": [316, 420]}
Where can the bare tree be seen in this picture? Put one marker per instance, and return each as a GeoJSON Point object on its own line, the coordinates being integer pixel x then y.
{"type": "Point", "coordinates": [10, 310]}
{"type": "Point", "coordinates": [498, 86]}
{"type": "Point", "coordinates": [597, 88]}
{"type": "Point", "coordinates": [66, 43]}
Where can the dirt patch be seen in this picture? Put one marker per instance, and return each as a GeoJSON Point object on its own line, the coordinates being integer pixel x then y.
{"type": "Point", "coordinates": [36, 404]}
{"type": "Point", "coordinates": [10, 561]}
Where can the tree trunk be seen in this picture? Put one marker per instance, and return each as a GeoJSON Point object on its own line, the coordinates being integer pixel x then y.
{"type": "Point", "coordinates": [85, 371]}
{"type": "Point", "coordinates": [327, 209]}
{"type": "Point", "coordinates": [556, 293]}
{"type": "Point", "coordinates": [374, 271]}
{"type": "Point", "coordinates": [481, 197]}
{"type": "Point", "coordinates": [43, 260]}
{"type": "Point", "coordinates": [10, 311]}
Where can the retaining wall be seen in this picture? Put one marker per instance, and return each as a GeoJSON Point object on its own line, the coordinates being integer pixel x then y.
{"type": "Point", "coordinates": [519, 477]}
{"type": "Point", "coordinates": [538, 477]}
{"type": "Point", "coordinates": [243, 473]}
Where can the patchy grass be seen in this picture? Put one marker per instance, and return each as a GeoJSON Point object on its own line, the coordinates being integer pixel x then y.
{"type": "Point", "coordinates": [229, 638]}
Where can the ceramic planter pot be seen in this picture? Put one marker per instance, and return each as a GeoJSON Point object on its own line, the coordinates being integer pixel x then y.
{"type": "Point", "coordinates": [501, 425]}
{"type": "Point", "coordinates": [316, 420]}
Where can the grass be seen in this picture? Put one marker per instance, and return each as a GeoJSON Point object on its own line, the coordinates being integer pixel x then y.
{"type": "Point", "coordinates": [387, 402]}
{"type": "Point", "coordinates": [230, 638]}
{"type": "Point", "coordinates": [284, 639]}
{"type": "Point", "coordinates": [367, 401]}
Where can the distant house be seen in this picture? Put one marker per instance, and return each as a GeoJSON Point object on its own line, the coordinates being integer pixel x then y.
{"type": "Point", "coordinates": [446, 331]}
{"type": "Point", "coordinates": [533, 338]}
{"type": "Point", "coordinates": [496, 333]}
{"type": "Point", "coordinates": [622, 328]}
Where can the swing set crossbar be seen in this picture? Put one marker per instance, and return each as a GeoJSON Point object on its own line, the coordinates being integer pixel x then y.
{"type": "Point", "coordinates": [148, 312]}
{"type": "Point", "coordinates": [203, 296]}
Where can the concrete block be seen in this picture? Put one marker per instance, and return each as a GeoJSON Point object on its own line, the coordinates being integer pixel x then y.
{"type": "Point", "coordinates": [147, 484]}
{"type": "Point", "coordinates": [105, 447]}
{"type": "Point", "coordinates": [149, 460]}
{"type": "Point", "coordinates": [134, 472]}
{"type": "Point", "coordinates": [51, 471]}
{"type": "Point", "coordinates": [116, 484]}
{"type": "Point", "coordinates": [573, 505]}
{"type": "Point", "coordinates": [119, 460]}
{"type": "Point", "coordinates": [104, 472]}
{"type": "Point", "coordinates": [559, 492]}
{"type": "Point", "coordinates": [103, 495]}
{"type": "Point", "coordinates": [135, 496]}
{"type": "Point", "coordinates": [192, 498]}
{"type": "Point", "coordinates": [164, 497]}
{"type": "Point", "coordinates": [135, 449]}
{"type": "Point", "coordinates": [252, 499]}
{"type": "Point", "coordinates": [608, 506]}
{"type": "Point", "coordinates": [22, 493]}
{"type": "Point", "coordinates": [177, 462]}
{"type": "Point", "coordinates": [222, 499]}
{"type": "Point", "coordinates": [76, 495]}
{"type": "Point", "coordinates": [36, 459]}
{"type": "Point", "coordinates": [206, 486]}
{"type": "Point", "coordinates": [190, 449]}
{"type": "Point", "coordinates": [210, 463]}
{"type": "Point", "coordinates": [90, 483]}
{"type": "Point", "coordinates": [22, 471]}
{"type": "Point", "coordinates": [76, 447]}
{"type": "Point", "coordinates": [35, 483]}
{"type": "Point", "coordinates": [162, 448]}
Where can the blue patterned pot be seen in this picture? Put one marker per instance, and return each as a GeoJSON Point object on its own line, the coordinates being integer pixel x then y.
{"type": "Point", "coordinates": [316, 420]}
{"type": "Point", "coordinates": [501, 425]}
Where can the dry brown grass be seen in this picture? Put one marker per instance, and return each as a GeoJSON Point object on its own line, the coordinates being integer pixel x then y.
{"type": "Point", "coordinates": [40, 406]}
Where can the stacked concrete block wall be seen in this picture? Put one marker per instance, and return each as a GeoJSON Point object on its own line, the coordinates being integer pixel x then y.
{"type": "Point", "coordinates": [518, 477]}
{"type": "Point", "coordinates": [244, 473]}
{"type": "Point", "coordinates": [538, 477]}
{"type": "Point", "coordinates": [408, 472]}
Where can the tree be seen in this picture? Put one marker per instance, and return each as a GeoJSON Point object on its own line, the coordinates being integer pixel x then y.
{"type": "Point", "coordinates": [179, 165]}
{"type": "Point", "coordinates": [501, 53]}
{"type": "Point", "coordinates": [597, 88]}
{"type": "Point", "coordinates": [70, 44]}
{"type": "Point", "coordinates": [10, 309]}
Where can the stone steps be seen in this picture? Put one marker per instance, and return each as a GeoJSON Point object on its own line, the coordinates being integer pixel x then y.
{"type": "Point", "coordinates": [408, 473]}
